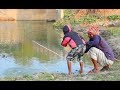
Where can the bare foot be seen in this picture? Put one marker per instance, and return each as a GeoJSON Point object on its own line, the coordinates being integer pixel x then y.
{"type": "Point", "coordinates": [105, 68]}
{"type": "Point", "coordinates": [70, 73]}
{"type": "Point", "coordinates": [81, 71]}
{"type": "Point", "coordinates": [93, 71]}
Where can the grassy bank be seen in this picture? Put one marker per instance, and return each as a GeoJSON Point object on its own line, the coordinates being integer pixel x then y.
{"type": "Point", "coordinates": [112, 75]}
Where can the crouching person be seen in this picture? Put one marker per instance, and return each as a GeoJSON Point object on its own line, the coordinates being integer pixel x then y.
{"type": "Point", "coordinates": [99, 50]}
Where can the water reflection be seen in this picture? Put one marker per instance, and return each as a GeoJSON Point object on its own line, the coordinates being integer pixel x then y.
{"type": "Point", "coordinates": [20, 55]}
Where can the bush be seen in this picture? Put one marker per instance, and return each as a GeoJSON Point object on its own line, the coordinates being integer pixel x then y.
{"type": "Point", "coordinates": [87, 19]}
{"type": "Point", "coordinates": [113, 17]}
{"type": "Point", "coordinates": [69, 18]}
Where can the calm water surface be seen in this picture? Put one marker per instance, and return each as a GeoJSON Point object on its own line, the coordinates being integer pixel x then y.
{"type": "Point", "coordinates": [28, 47]}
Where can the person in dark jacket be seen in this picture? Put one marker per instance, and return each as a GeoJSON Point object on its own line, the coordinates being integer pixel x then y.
{"type": "Point", "coordinates": [99, 50]}
{"type": "Point", "coordinates": [76, 42]}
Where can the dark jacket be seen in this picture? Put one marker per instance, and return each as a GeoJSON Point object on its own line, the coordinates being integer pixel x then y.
{"type": "Point", "coordinates": [98, 42]}
{"type": "Point", "coordinates": [71, 38]}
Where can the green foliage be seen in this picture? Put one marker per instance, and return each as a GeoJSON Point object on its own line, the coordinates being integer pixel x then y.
{"type": "Point", "coordinates": [59, 24]}
{"type": "Point", "coordinates": [113, 17]}
{"type": "Point", "coordinates": [115, 31]}
{"type": "Point", "coordinates": [28, 77]}
{"type": "Point", "coordinates": [87, 19]}
{"type": "Point", "coordinates": [69, 18]}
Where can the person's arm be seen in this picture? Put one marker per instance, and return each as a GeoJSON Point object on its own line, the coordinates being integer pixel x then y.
{"type": "Point", "coordinates": [83, 40]}
{"type": "Point", "coordinates": [65, 41]}
{"type": "Point", "coordinates": [87, 48]}
{"type": "Point", "coordinates": [95, 41]}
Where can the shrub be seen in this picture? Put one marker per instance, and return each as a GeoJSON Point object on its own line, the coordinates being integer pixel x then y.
{"type": "Point", "coordinates": [69, 18]}
{"type": "Point", "coordinates": [113, 17]}
{"type": "Point", "coordinates": [87, 19]}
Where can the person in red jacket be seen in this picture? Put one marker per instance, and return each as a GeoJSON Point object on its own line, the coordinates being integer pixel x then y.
{"type": "Point", "coordinates": [77, 44]}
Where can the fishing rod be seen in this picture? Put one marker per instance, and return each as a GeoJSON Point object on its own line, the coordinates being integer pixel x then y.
{"type": "Point", "coordinates": [50, 51]}
{"type": "Point", "coordinates": [47, 48]}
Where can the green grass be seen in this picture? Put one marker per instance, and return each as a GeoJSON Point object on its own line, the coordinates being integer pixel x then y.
{"type": "Point", "coordinates": [114, 30]}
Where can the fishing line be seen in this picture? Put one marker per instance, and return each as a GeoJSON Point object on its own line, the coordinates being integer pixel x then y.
{"type": "Point", "coordinates": [50, 51]}
{"type": "Point", "coordinates": [47, 49]}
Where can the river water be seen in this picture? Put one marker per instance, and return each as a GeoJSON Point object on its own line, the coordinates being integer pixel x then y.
{"type": "Point", "coordinates": [28, 47]}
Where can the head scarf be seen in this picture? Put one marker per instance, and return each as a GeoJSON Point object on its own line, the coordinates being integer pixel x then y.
{"type": "Point", "coordinates": [94, 30]}
{"type": "Point", "coordinates": [66, 29]}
